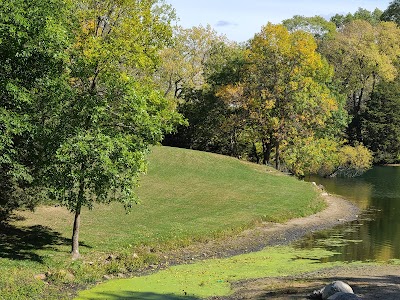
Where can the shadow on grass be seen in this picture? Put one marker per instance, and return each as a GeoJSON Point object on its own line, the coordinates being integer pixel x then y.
{"type": "Point", "coordinates": [125, 295]}
{"type": "Point", "coordinates": [21, 243]}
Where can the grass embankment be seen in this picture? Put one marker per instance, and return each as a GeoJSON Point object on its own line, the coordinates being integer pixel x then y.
{"type": "Point", "coordinates": [186, 196]}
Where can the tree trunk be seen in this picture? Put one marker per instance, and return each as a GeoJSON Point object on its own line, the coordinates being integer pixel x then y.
{"type": "Point", "coordinates": [233, 144]}
{"type": "Point", "coordinates": [75, 232]}
{"type": "Point", "coordinates": [77, 222]}
{"type": "Point", "coordinates": [277, 163]}
{"type": "Point", "coordinates": [267, 148]}
{"type": "Point", "coordinates": [255, 153]}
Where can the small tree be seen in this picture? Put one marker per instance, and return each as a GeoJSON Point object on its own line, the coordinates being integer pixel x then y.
{"type": "Point", "coordinates": [107, 114]}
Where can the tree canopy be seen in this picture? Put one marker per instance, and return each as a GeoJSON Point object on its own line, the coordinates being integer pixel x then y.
{"type": "Point", "coordinates": [392, 13]}
{"type": "Point", "coordinates": [362, 54]}
{"type": "Point", "coordinates": [33, 42]}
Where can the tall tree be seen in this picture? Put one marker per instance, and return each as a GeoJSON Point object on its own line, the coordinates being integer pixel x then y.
{"type": "Point", "coordinates": [110, 113]}
{"type": "Point", "coordinates": [33, 40]}
{"type": "Point", "coordinates": [382, 123]}
{"type": "Point", "coordinates": [287, 91]}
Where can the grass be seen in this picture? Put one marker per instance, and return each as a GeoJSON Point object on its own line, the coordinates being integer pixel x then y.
{"type": "Point", "coordinates": [186, 196]}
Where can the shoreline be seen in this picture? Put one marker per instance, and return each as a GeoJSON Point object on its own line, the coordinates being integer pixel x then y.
{"type": "Point", "coordinates": [338, 211]}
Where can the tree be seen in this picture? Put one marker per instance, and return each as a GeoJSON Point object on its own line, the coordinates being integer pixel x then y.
{"type": "Point", "coordinates": [372, 17]}
{"type": "Point", "coordinates": [392, 13]}
{"type": "Point", "coordinates": [317, 26]}
{"type": "Point", "coordinates": [214, 123]}
{"type": "Point", "coordinates": [286, 90]}
{"type": "Point", "coordinates": [182, 64]}
{"type": "Point", "coordinates": [363, 55]}
{"type": "Point", "coordinates": [99, 133]}
{"type": "Point", "coordinates": [382, 123]}
{"type": "Point", "coordinates": [33, 40]}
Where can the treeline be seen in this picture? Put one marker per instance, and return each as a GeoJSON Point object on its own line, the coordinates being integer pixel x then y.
{"type": "Point", "coordinates": [308, 96]}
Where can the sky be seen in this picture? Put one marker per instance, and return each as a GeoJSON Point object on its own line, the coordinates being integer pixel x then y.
{"type": "Point", "coordinates": [239, 20]}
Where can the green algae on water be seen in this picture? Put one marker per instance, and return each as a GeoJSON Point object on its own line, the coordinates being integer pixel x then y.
{"type": "Point", "coordinates": [211, 277]}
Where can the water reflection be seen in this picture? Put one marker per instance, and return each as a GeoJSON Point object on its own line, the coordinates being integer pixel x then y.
{"type": "Point", "coordinates": [376, 234]}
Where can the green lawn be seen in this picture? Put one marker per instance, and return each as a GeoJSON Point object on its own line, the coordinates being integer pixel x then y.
{"type": "Point", "coordinates": [186, 195]}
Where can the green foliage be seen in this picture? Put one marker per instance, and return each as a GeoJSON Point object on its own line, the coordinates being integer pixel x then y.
{"type": "Point", "coordinates": [317, 26]}
{"type": "Point", "coordinates": [183, 62]}
{"type": "Point", "coordinates": [381, 123]}
{"type": "Point", "coordinates": [392, 13]}
{"type": "Point", "coordinates": [97, 132]}
{"type": "Point", "coordinates": [363, 54]}
{"type": "Point", "coordinates": [353, 161]}
{"type": "Point", "coordinates": [33, 40]}
{"type": "Point", "coordinates": [286, 93]}
{"type": "Point", "coordinates": [214, 123]}
{"type": "Point", "coordinates": [313, 156]}
{"type": "Point", "coordinates": [109, 154]}
{"type": "Point", "coordinates": [327, 157]}
{"type": "Point", "coordinates": [372, 17]}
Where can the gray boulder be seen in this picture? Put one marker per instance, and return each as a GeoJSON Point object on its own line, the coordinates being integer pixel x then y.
{"type": "Point", "coordinates": [343, 296]}
{"type": "Point", "coordinates": [336, 287]}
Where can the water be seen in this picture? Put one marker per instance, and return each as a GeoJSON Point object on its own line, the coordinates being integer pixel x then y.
{"type": "Point", "coordinates": [375, 236]}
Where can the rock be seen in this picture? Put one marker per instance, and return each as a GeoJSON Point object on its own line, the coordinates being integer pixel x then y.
{"type": "Point", "coordinates": [343, 296]}
{"type": "Point", "coordinates": [335, 287]}
{"type": "Point", "coordinates": [40, 276]}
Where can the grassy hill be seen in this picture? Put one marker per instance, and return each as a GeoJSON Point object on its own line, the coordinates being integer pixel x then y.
{"type": "Point", "coordinates": [186, 195]}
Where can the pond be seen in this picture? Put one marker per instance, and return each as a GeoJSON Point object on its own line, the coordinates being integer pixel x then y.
{"type": "Point", "coordinates": [375, 236]}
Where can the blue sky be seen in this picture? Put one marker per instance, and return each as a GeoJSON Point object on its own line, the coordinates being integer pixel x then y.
{"type": "Point", "coordinates": [239, 20]}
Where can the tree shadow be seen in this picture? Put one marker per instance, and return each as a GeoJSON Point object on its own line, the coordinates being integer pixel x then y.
{"type": "Point", "coordinates": [21, 243]}
{"type": "Point", "coordinates": [125, 295]}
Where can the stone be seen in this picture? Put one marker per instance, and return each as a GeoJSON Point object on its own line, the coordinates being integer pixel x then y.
{"type": "Point", "coordinates": [40, 276]}
{"type": "Point", "coordinates": [335, 287]}
{"type": "Point", "coordinates": [343, 296]}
